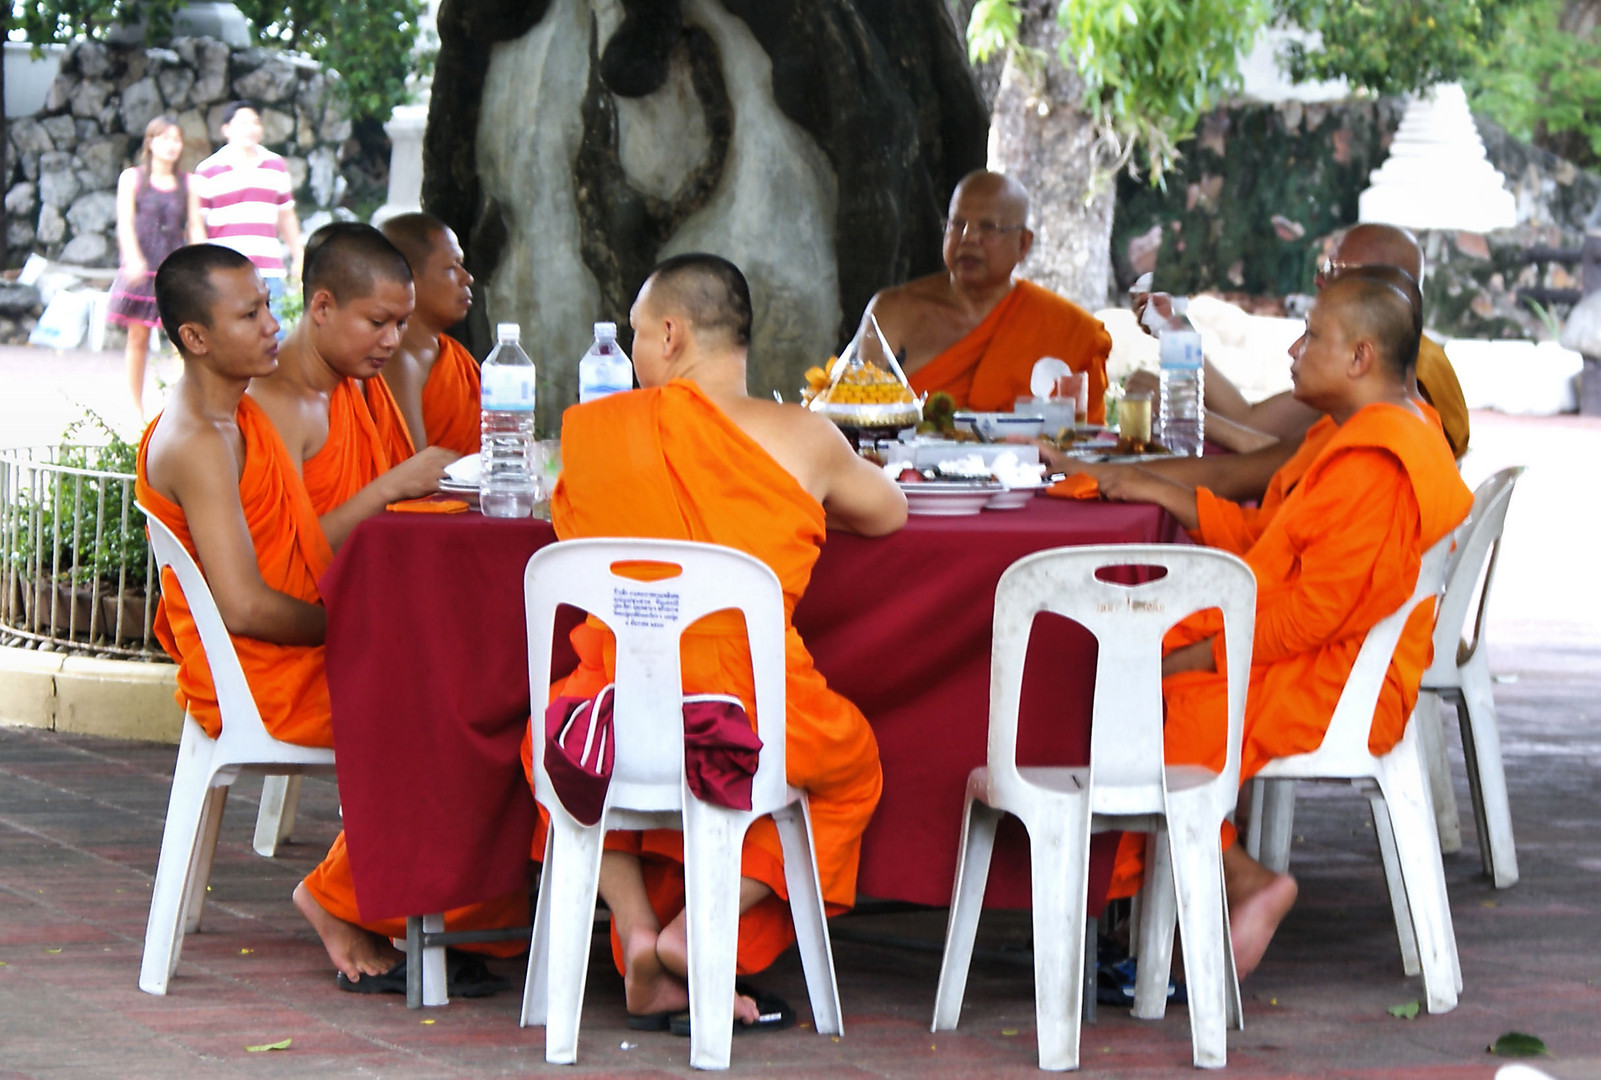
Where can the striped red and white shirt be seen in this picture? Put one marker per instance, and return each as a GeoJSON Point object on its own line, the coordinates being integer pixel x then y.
{"type": "Point", "coordinates": [240, 205]}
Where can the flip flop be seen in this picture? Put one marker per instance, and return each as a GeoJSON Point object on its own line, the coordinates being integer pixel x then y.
{"type": "Point", "coordinates": [466, 976]}
{"type": "Point", "coordinates": [656, 1021]}
{"type": "Point", "coordinates": [1114, 984]}
{"type": "Point", "coordinates": [773, 1013]}
{"type": "Point", "coordinates": [392, 981]}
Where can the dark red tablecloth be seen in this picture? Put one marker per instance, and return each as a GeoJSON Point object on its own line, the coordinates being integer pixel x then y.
{"type": "Point", "coordinates": [427, 668]}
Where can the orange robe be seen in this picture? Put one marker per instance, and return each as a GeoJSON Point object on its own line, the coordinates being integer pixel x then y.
{"type": "Point", "coordinates": [1437, 379]}
{"type": "Point", "coordinates": [1341, 553]}
{"type": "Point", "coordinates": [450, 399]}
{"type": "Point", "coordinates": [291, 553]}
{"type": "Point", "coordinates": [655, 463]}
{"type": "Point", "coordinates": [360, 441]}
{"type": "Point", "coordinates": [989, 369]}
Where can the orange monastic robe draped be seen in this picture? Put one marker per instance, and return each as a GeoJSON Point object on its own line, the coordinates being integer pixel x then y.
{"type": "Point", "coordinates": [291, 553]}
{"type": "Point", "coordinates": [1437, 379]}
{"type": "Point", "coordinates": [450, 399]}
{"type": "Point", "coordinates": [389, 421]}
{"type": "Point", "coordinates": [657, 463]}
{"type": "Point", "coordinates": [359, 443]}
{"type": "Point", "coordinates": [989, 369]}
{"type": "Point", "coordinates": [1340, 554]}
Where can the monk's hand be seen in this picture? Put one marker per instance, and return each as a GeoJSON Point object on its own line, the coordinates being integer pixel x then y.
{"type": "Point", "coordinates": [1144, 382]}
{"type": "Point", "coordinates": [1196, 657]}
{"type": "Point", "coordinates": [420, 474]}
{"type": "Point", "coordinates": [1130, 483]}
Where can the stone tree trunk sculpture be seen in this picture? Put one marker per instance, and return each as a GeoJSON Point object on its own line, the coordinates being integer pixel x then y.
{"type": "Point", "coordinates": [572, 144]}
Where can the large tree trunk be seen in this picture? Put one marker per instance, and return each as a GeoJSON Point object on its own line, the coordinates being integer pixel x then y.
{"type": "Point", "coordinates": [1041, 135]}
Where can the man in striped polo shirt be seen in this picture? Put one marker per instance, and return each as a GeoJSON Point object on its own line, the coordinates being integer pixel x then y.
{"type": "Point", "coordinates": [241, 197]}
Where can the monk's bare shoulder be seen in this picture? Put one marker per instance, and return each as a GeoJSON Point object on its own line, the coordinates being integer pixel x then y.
{"type": "Point", "coordinates": [920, 295]}
{"type": "Point", "coordinates": [188, 455]}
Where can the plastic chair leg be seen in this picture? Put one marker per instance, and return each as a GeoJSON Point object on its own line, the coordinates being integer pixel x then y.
{"type": "Point", "coordinates": [1394, 880]}
{"type": "Point", "coordinates": [1481, 744]}
{"type": "Point", "coordinates": [1158, 917]}
{"type": "Point", "coordinates": [536, 984]}
{"type": "Point", "coordinates": [1060, 870]}
{"type": "Point", "coordinates": [1447, 818]}
{"type": "Point", "coordinates": [811, 923]}
{"type": "Point", "coordinates": [1272, 823]}
{"type": "Point", "coordinates": [1197, 879]}
{"type": "Point", "coordinates": [1418, 853]}
{"type": "Point", "coordinates": [280, 796]}
{"type": "Point", "coordinates": [712, 839]}
{"type": "Point", "coordinates": [573, 867]}
{"type": "Point", "coordinates": [967, 902]}
{"type": "Point", "coordinates": [194, 900]}
{"type": "Point", "coordinates": [180, 836]}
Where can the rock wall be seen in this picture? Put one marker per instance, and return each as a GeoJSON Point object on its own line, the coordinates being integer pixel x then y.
{"type": "Point", "coordinates": [62, 164]}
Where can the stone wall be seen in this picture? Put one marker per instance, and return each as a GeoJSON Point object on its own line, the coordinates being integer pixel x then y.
{"type": "Point", "coordinates": [62, 164]}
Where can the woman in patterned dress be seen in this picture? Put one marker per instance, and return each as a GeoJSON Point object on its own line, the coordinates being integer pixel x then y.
{"type": "Point", "coordinates": [152, 206]}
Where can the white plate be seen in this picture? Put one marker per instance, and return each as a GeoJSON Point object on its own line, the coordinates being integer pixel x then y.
{"type": "Point", "coordinates": [453, 485]}
{"type": "Point", "coordinates": [1012, 498]}
{"type": "Point", "coordinates": [940, 498]}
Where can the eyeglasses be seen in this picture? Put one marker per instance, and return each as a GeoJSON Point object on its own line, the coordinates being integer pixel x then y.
{"type": "Point", "coordinates": [985, 230]}
{"type": "Point", "coordinates": [1329, 269]}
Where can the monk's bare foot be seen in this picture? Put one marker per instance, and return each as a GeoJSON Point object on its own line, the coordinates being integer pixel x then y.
{"type": "Point", "coordinates": [354, 951]}
{"type": "Point", "coordinates": [672, 948]}
{"type": "Point", "coordinates": [648, 987]}
{"type": "Point", "coordinates": [1254, 917]}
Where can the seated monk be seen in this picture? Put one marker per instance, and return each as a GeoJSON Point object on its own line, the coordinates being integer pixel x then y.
{"type": "Point", "coordinates": [432, 376]}
{"type": "Point", "coordinates": [1271, 431]}
{"type": "Point", "coordinates": [350, 445]}
{"type": "Point", "coordinates": [1341, 553]}
{"type": "Point", "coordinates": [214, 471]}
{"type": "Point", "coordinates": [692, 457]}
{"type": "Point", "coordinates": [974, 331]}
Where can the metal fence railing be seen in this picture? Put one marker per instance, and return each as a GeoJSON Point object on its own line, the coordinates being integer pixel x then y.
{"type": "Point", "coordinates": [76, 572]}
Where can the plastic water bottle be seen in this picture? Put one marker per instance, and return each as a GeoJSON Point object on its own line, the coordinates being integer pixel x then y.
{"type": "Point", "coordinates": [605, 368]}
{"type": "Point", "coordinates": [507, 486]}
{"type": "Point", "coordinates": [1183, 380]}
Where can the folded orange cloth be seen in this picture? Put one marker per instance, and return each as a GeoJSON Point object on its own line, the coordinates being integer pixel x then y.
{"type": "Point", "coordinates": [1077, 486]}
{"type": "Point", "coordinates": [431, 505]}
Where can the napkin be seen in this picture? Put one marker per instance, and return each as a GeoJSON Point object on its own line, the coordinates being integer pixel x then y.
{"type": "Point", "coordinates": [428, 506]}
{"type": "Point", "coordinates": [464, 470]}
{"type": "Point", "coordinates": [1077, 486]}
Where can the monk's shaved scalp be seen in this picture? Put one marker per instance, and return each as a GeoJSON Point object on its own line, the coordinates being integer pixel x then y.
{"type": "Point", "coordinates": [414, 234]}
{"type": "Point", "coordinates": [1372, 309]}
{"type": "Point", "coordinates": [709, 291]}
{"type": "Point", "coordinates": [1008, 191]}
{"type": "Point", "coordinates": [1380, 245]}
{"type": "Point", "coordinates": [185, 292]}
{"type": "Point", "coordinates": [348, 259]}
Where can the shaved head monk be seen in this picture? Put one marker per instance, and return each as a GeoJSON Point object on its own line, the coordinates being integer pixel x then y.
{"type": "Point", "coordinates": [349, 442]}
{"type": "Point", "coordinates": [975, 330]}
{"type": "Point", "coordinates": [214, 471]}
{"type": "Point", "coordinates": [690, 456]}
{"type": "Point", "coordinates": [1341, 553]}
{"type": "Point", "coordinates": [432, 376]}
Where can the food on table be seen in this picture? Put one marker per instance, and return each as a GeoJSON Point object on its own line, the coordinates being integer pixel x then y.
{"type": "Point", "coordinates": [862, 394]}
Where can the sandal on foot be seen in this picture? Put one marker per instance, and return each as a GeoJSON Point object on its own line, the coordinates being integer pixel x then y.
{"type": "Point", "coordinates": [773, 1013]}
{"type": "Point", "coordinates": [656, 1021]}
{"type": "Point", "coordinates": [1114, 985]}
{"type": "Point", "coordinates": [467, 976]}
{"type": "Point", "coordinates": [392, 981]}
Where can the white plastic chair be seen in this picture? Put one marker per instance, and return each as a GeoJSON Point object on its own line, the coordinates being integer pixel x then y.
{"type": "Point", "coordinates": [205, 769]}
{"type": "Point", "coordinates": [1460, 676]}
{"type": "Point", "coordinates": [1126, 786]}
{"type": "Point", "coordinates": [1396, 785]}
{"type": "Point", "coordinates": [648, 789]}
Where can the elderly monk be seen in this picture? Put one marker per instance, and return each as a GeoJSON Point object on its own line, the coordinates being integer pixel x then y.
{"type": "Point", "coordinates": [353, 450]}
{"type": "Point", "coordinates": [975, 330]}
{"type": "Point", "coordinates": [432, 376]}
{"type": "Point", "coordinates": [214, 471]}
{"type": "Point", "coordinates": [1341, 553]}
{"type": "Point", "coordinates": [691, 457]}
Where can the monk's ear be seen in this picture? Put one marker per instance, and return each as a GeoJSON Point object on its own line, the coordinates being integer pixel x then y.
{"type": "Point", "coordinates": [321, 305]}
{"type": "Point", "coordinates": [1364, 359]}
{"type": "Point", "coordinates": [193, 338]}
{"type": "Point", "coordinates": [1025, 243]}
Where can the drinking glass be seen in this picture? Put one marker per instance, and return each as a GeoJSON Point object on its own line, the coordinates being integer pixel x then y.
{"type": "Point", "coordinates": [1075, 388]}
{"type": "Point", "coordinates": [1134, 421]}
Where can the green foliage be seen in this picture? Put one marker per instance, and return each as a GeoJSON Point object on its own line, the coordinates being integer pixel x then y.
{"type": "Point", "coordinates": [1543, 83]}
{"type": "Point", "coordinates": [1393, 48]}
{"type": "Point", "coordinates": [45, 21]}
{"type": "Point", "coordinates": [1151, 68]}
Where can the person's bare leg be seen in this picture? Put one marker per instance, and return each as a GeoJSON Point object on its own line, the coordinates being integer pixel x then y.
{"type": "Point", "coordinates": [1258, 901]}
{"type": "Point", "coordinates": [672, 946]}
{"type": "Point", "coordinates": [135, 354]}
{"type": "Point", "coordinates": [648, 987]}
{"type": "Point", "coordinates": [354, 951]}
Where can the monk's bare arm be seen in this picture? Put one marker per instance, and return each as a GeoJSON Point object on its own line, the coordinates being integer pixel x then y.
{"type": "Point", "coordinates": [413, 478]}
{"type": "Point", "coordinates": [204, 481]}
{"type": "Point", "coordinates": [859, 497]}
{"type": "Point", "coordinates": [1129, 483]}
{"type": "Point", "coordinates": [1236, 477]}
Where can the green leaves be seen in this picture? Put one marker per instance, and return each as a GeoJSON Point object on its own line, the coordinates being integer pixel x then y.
{"type": "Point", "coordinates": [1542, 82]}
{"type": "Point", "coordinates": [1517, 1044]}
{"type": "Point", "coordinates": [1409, 1011]}
{"type": "Point", "coordinates": [264, 1047]}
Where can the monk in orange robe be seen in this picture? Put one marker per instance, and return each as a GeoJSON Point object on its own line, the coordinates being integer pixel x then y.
{"type": "Point", "coordinates": [433, 377]}
{"type": "Point", "coordinates": [692, 457]}
{"type": "Point", "coordinates": [351, 443]}
{"type": "Point", "coordinates": [1340, 553]}
{"type": "Point", "coordinates": [976, 330]}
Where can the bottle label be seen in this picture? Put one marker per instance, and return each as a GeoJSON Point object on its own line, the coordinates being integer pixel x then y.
{"type": "Point", "coordinates": [507, 388]}
{"type": "Point", "coordinates": [1181, 349]}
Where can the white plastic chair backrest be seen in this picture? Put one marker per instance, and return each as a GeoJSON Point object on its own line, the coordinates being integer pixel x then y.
{"type": "Point", "coordinates": [648, 618]}
{"type": "Point", "coordinates": [1478, 543]}
{"type": "Point", "coordinates": [1353, 715]}
{"type": "Point", "coordinates": [1128, 621]}
{"type": "Point", "coordinates": [241, 719]}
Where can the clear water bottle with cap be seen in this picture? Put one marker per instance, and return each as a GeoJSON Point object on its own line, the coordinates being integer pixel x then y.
{"type": "Point", "coordinates": [1183, 379]}
{"type": "Point", "coordinates": [507, 486]}
{"type": "Point", "coordinates": [605, 368]}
